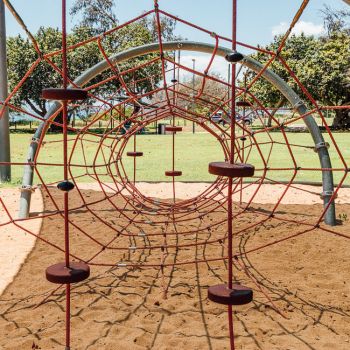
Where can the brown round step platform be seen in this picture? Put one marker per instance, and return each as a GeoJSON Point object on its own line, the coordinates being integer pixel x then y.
{"type": "Point", "coordinates": [60, 274]}
{"type": "Point", "coordinates": [172, 128]}
{"type": "Point", "coordinates": [231, 170]}
{"type": "Point", "coordinates": [238, 295]}
{"type": "Point", "coordinates": [243, 104]}
{"type": "Point", "coordinates": [64, 94]}
{"type": "Point", "coordinates": [134, 154]}
{"type": "Point", "coordinates": [173, 173]}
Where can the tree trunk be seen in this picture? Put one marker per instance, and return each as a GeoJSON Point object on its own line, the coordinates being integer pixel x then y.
{"type": "Point", "coordinates": [59, 119]}
{"type": "Point", "coordinates": [278, 105]}
{"type": "Point", "coordinates": [342, 118]}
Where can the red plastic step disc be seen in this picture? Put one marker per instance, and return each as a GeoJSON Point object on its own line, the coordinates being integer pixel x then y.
{"type": "Point", "coordinates": [173, 173]}
{"type": "Point", "coordinates": [173, 128]}
{"type": "Point", "coordinates": [134, 154]}
{"type": "Point", "coordinates": [64, 94]}
{"type": "Point", "coordinates": [243, 104]}
{"type": "Point", "coordinates": [231, 170]}
{"type": "Point", "coordinates": [238, 295]}
{"type": "Point", "coordinates": [60, 274]}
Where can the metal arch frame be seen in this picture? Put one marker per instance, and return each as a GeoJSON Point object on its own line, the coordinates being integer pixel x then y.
{"type": "Point", "coordinates": [274, 79]}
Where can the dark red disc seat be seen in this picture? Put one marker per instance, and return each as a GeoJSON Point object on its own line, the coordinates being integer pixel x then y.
{"type": "Point", "coordinates": [243, 104]}
{"type": "Point", "coordinates": [60, 274]}
{"type": "Point", "coordinates": [173, 128]}
{"type": "Point", "coordinates": [231, 170]}
{"type": "Point", "coordinates": [173, 173]}
{"type": "Point", "coordinates": [238, 295]}
{"type": "Point", "coordinates": [64, 94]}
{"type": "Point", "coordinates": [134, 154]}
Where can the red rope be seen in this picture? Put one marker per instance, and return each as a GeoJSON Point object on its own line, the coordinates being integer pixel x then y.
{"type": "Point", "coordinates": [135, 210]}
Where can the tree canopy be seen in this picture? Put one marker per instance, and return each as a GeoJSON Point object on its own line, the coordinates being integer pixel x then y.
{"type": "Point", "coordinates": [97, 17]}
{"type": "Point", "coordinates": [21, 55]}
{"type": "Point", "coordinates": [322, 64]}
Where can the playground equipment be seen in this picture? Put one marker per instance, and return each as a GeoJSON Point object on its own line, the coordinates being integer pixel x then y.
{"type": "Point", "coordinates": [166, 100]}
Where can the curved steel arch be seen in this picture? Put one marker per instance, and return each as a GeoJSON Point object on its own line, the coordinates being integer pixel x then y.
{"type": "Point", "coordinates": [274, 79]}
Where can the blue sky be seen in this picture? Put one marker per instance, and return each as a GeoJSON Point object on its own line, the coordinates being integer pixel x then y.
{"type": "Point", "coordinates": [255, 24]}
{"type": "Point", "coordinates": [258, 20]}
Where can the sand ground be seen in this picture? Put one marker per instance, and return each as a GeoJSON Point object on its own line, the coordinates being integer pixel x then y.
{"type": "Point", "coordinates": [306, 277]}
{"type": "Point", "coordinates": [15, 242]}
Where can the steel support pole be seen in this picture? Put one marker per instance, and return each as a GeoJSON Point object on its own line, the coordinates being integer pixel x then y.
{"type": "Point", "coordinates": [193, 85]}
{"type": "Point", "coordinates": [5, 169]}
{"type": "Point", "coordinates": [230, 180]}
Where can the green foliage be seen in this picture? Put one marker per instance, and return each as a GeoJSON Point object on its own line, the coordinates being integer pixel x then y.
{"type": "Point", "coordinates": [96, 14]}
{"type": "Point", "coordinates": [336, 20]}
{"type": "Point", "coordinates": [321, 64]}
{"type": "Point", "coordinates": [343, 217]}
{"type": "Point", "coordinates": [21, 54]}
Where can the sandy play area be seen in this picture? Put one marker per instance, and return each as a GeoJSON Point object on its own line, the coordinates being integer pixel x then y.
{"type": "Point", "coordinates": [301, 284]}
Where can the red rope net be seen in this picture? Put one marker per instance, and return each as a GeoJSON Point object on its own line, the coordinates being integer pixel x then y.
{"type": "Point", "coordinates": [146, 232]}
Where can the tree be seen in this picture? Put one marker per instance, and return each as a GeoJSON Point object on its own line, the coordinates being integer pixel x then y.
{"type": "Point", "coordinates": [335, 20]}
{"type": "Point", "coordinates": [321, 64]}
{"type": "Point", "coordinates": [97, 16]}
{"type": "Point", "coordinates": [21, 55]}
{"type": "Point", "coordinates": [337, 24]}
{"type": "Point", "coordinates": [214, 92]}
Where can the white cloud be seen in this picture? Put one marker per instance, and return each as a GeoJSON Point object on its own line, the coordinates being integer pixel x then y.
{"type": "Point", "coordinates": [308, 28]}
{"type": "Point", "coordinates": [219, 65]}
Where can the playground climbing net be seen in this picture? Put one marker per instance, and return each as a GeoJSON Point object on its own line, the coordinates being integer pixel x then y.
{"type": "Point", "coordinates": [127, 92]}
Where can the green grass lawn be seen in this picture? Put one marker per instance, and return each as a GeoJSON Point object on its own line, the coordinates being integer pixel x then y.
{"type": "Point", "coordinates": [193, 153]}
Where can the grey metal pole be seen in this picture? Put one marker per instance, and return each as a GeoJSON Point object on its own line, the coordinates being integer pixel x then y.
{"type": "Point", "coordinates": [179, 62]}
{"type": "Point", "coordinates": [228, 81]}
{"type": "Point", "coordinates": [5, 169]}
{"type": "Point", "coordinates": [194, 67]}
